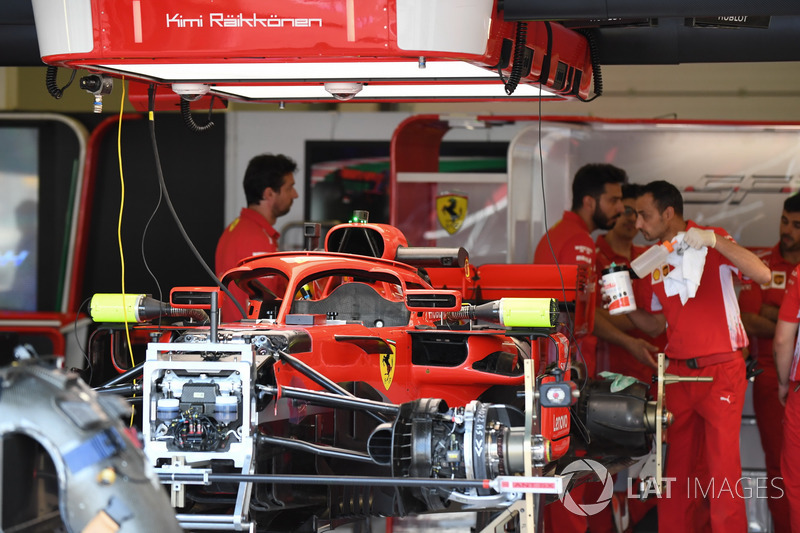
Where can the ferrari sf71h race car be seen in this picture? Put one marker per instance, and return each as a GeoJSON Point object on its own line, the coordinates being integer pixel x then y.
{"type": "Point", "coordinates": [354, 387]}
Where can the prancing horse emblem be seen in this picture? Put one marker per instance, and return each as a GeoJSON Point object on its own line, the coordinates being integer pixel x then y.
{"type": "Point", "coordinates": [387, 366]}
{"type": "Point", "coordinates": [451, 210]}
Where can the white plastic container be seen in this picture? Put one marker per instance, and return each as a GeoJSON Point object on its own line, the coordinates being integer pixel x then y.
{"type": "Point", "coordinates": [653, 258]}
{"type": "Point", "coordinates": [167, 409]}
{"type": "Point", "coordinates": [226, 409]}
{"type": "Point", "coordinates": [618, 288]}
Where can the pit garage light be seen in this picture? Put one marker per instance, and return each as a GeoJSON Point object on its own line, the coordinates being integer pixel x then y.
{"type": "Point", "coordinates": [362, 71]}
{"type": "Point", "coordinates": [363, 81]}
{"type": "Point", "coordinates": [375, 92]}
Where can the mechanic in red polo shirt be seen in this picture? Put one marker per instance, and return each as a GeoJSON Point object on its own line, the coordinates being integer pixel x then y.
{"type": "Point", "coordinates": [269, 191]}
{"type": "Point", "coordinates": [787, 362]}
{"type": "Point", "coordinates": [617, 247]}
{"type": "Point", "coordinates": [759, 305]}
{"type": "Point", "coordinates": [596, 204]}
{"type": "Point", "coordinates": [705, 338]}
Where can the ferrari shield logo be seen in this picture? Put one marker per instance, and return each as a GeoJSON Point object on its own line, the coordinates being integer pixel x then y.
{"type": "Point", "coordinates": [451, 210]}
{"type": "Point", "coordinates": [387, 366]}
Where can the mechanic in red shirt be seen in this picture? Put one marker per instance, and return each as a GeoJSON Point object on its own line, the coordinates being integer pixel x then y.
{"type": "Point", "coordinates": [705, 338]}
{"type": "Point", "coordinates": [617, 247]}
{"type": "Point", "coordinates": [596, 204]}
{"type": "Point", "coordinates": [759, 305]}
{"type": "Point", "coordinates": [269, 191]}
{"type": "Point", "coordinates": [787, 362]}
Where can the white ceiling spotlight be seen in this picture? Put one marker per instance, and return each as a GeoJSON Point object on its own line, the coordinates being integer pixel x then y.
{"type": "Point", "coordinates": [191, 91]}
{"type": "Point", "coordinates": [343, 91]}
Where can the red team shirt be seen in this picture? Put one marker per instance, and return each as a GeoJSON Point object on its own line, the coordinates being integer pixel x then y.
{"type": "Point", "coordinates": [248, 235]}
{"type": "Point", "coordinates": [573, 245]}
{"type": "Point", "coordinates": [571, 241]}
{"type": "Point", "coordinates": [610, 356]}
{"type": "Point", "coordinates": [605, 255]}
{"type": "Point", "coordinates": [710, 322]}
{"type": "Point", "coordinates": [752, 296]}
{"type": "Point", "coordinates": [790, 312]}
{"type": "Point", "coordinates": [768, 409]}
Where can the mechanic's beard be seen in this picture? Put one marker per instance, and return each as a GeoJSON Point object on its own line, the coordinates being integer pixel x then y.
{"type": "Point", "coordinates": [601, 221]}
{"type": "Point", "coordinates": [793, 247]}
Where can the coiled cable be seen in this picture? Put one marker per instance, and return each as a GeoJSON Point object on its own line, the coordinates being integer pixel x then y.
{"type": "Point", "coordinates": [519, 58]}
{"type": "Point", "coordinates": [189, 121]}
{"type": "Point", "coordinates": [52, 85]}
{"type": "Point", "coordinates": [594, 56]}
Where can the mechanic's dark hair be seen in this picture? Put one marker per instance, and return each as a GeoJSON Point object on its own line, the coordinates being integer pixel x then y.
{"type": "Point", "coordinates": [631, 190]}
{"type": "Point", "coordinates": [792, 204]}
{"type": "Point", "coordinates": [665, 195]}
{"type": "Point", "coordinates": [591, 179]}
{"type": "Point", "coordinates": [266, 170]}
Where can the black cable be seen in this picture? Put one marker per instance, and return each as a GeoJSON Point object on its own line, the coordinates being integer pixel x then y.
{"type": "Point", "coordinates": [160, 174]}
{"type": "Point", "coordinates": [519, 58]}
{"type": "Point", "coordinates": [570, 324]}
{"type": "Point", "coordinates": [211, 108]}
{"type": "Point", "coordinates": [189, 121]}
{"type": "Point", "coordinates": [151, 99]}
{"type": "Point", "coordinates": [544, 75]}
{"type": "Point", "coordinates": [129, 388]}
{"type": "Point", "coordinates": [52, 85]}
{"type": "Point", "coordinates": [594, 56]}
{"type": "Point", "coordinates": [133, 372]}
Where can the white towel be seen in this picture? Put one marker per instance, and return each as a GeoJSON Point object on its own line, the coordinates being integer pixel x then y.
{"type": "Point", "coordinates": [688, 264]}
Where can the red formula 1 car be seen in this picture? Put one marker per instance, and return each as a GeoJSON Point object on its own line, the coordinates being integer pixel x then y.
{"type": "Point", "coordinates": [353, 388]}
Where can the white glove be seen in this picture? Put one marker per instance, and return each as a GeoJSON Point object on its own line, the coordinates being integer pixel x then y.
{"type": "Point", "coordinates": [698, 238]}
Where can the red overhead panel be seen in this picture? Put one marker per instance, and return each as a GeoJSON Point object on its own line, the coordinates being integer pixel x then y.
{"type": "Point", "coordinates": [239, 44]}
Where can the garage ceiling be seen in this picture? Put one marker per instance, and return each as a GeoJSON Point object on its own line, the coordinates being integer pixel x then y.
{"type": "Point", "coordinates": [663, 32]}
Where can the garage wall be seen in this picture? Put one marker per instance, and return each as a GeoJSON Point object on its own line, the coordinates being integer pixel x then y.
{"type": "Point", "coordinates": [738, 91]}
{"type": "Point", "coordinates": [252, 133]}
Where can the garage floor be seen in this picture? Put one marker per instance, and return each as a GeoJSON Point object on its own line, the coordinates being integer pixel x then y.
{"type": "Point", "coordinates": [458, 523]}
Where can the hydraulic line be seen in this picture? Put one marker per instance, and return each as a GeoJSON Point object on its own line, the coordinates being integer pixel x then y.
{"type": "Point", "coordinates": [321, 380]}
{"type": "Point", "coordinates": [331, 400]}
{"type": "Point", "coordinates": [121, 389]}
{"type": "Point", "coordinates": [316, 449]}
{"type": "Point", "coordinates": [132, 373]}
